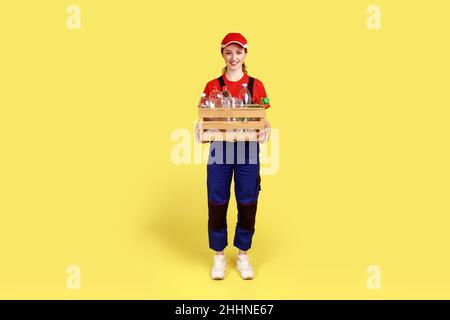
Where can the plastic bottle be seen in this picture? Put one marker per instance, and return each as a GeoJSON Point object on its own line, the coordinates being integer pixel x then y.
{"type": "Point", "coordinates": [246, 98]}
{"type": "Point", "coordinates": [203, 101]}
{"type": "Point", "coordinates": [226, 97]}
{"type": "Point", "coordinates": [264, 101]}
{"type": "Point", "coordinates": [245, 95]}
{"type": "Point", "coordinates": [215, 98]}
{"type": "Point", "coordinates": [226, 102]}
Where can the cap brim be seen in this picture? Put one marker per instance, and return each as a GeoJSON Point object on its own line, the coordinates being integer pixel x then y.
{"type": "Point", "coordinates": [237, 42]}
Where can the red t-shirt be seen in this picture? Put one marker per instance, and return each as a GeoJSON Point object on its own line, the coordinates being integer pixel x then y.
{"type": "Point", "coordinates": [235, 86]}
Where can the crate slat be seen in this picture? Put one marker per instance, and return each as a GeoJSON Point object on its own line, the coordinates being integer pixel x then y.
{"type": "Point", "coordinates": [217, 125]}
{"type": "Point", "coordinates": [231, 112]}
{"type": "Point", "coordinates": [233, 125]}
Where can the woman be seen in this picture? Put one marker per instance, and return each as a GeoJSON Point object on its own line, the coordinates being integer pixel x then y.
{"type": "Point", "coordinates": [242, 158]}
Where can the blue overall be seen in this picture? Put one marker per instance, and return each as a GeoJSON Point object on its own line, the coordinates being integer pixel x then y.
{"type": "Point", "coordinates": [242, 159]}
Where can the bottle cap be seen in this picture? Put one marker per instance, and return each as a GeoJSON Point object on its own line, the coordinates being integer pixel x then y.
{"type": "Point", "coordinates": [265, 100]}
{"type": "Point", "coordinates": [244, 85]}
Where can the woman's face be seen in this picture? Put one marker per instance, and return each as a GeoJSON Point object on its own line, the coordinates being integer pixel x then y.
{"type": "Point", "coordinates": [234, 56]}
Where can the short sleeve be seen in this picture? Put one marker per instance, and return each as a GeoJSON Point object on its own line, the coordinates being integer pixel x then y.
{"type": "Point", "coordinates": [260, 93]}
{"type": "Point", "coordinates": [207, 89]}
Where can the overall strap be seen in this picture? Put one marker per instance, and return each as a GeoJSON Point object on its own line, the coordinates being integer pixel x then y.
{"type": "Point", "coordinates": [221, 82]}
{"type": "Point", "coordinates": [251, 81]}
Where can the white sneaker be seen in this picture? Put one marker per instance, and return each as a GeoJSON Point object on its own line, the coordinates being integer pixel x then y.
{"type": "Point", "coordinates": [218, 269]}
{"type": "Point", "coordinates": [244, 267]}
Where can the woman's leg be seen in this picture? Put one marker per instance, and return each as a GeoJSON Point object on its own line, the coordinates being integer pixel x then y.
{"type": "Point", "coordinates": [247, 187]}
{"type": "Point", "coordinates": [219, 175]}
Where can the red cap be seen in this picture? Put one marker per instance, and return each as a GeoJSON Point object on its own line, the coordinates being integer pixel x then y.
{"type": "Point", "coordinates": [234, 38]}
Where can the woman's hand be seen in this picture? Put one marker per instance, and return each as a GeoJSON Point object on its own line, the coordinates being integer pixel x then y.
{"type": "Point", "coordinates": [266, 131]}
{"type": "Point", "coordinates": [197, 133]}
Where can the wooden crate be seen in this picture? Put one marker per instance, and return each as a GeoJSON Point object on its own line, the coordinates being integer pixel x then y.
{"type": "Point", "coordinates": [217, 124]}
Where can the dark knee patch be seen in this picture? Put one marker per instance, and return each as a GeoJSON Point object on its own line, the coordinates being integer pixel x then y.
{"type": "Point", "coordinates": [247, 215]}
{"type": "Point", "coordinates": [217, 215]}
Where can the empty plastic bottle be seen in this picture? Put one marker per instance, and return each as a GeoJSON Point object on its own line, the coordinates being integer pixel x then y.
{"type": "Point", "coordinates": [246, 98]}
{"type": "Point", "coordinates": [264, 101]}
{"type": "Point", "coordinates": [226, 102]}
{"type": "Point", "coordinates": [215, 98]}
{"type": "Point", "coordinates": [203, 101]}
{"type": "Point", "coordinates": [245, 95]}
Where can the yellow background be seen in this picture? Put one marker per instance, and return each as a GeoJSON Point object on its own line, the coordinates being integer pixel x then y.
{"type": "Point", "coordinates": [86, 176]}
